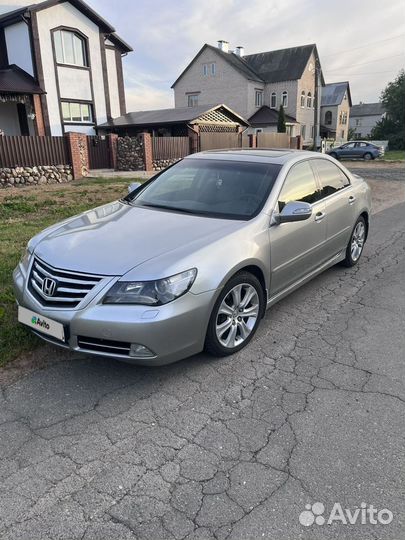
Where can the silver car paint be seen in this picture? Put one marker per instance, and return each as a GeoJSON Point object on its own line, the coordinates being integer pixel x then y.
{"type": "Point", "coordinates": [119, 241]}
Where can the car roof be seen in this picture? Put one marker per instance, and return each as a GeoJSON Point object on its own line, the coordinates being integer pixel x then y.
{"type": "Point", "coordinates": [265, 155]}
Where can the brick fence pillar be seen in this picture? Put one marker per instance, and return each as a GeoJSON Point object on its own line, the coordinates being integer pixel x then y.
{"type": "Point", "coordinates": [252, 140]}
{"type": "Point", "coordinates": [147, 151]}
{"type": "Point", "coordinates": [79, 154]}
{"type": "Point", "coordinates": [112, 139]}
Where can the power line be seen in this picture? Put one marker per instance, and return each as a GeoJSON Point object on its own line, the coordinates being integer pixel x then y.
{"type": "Point", "coordinates": [370, 62]}
{"type": "Point", "coordinates": [365, 45]}
{"type": "Point", "coordinates": [369, 73]}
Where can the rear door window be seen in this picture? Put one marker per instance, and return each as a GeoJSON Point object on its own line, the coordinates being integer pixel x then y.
{"type": "Point", "coordinates": [331, 177]}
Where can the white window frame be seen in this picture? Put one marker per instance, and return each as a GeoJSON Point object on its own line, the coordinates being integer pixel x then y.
{"type": "Point", "coordinates": [213, 69]}
{"type": "Point", "coordinates": [81, 106]}
{"type": "Point", "coordinates": [205, 70]}
{"type": "Point", "coordinates": [309, 100]}
{"type": "Point", "coordinates": [259, 98]}
{"type": "Point", "coordinates": [82, 54]}
{"type": "Point", "coordinates": [302, 99]}
{"type": "Point", "coordinates": [190, 97]}
{"type": "Point", "coordinates": [284, 99]}
{"type": "Point", "coordinates": [273, 95]}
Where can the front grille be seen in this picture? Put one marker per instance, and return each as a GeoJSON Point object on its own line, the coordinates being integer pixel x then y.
{"type": "Point", "coordinates": [70, 287]}
{"type": "Point", "coordinates": [118, 348]}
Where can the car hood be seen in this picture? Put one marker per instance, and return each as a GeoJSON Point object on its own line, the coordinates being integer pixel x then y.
{"type": "Point", "coordinates": [112, 239]}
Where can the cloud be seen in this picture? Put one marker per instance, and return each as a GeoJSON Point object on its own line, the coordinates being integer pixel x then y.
{"type": "Point", "coordinates": [167, 34]}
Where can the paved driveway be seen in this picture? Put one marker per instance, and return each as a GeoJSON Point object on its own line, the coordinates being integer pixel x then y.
{"type": "Point", "coordinates": [313, 411]}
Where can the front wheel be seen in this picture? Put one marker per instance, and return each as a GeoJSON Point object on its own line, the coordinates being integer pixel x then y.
{"type": "Point", "coordinates": [356, 243]}
{"type": "Point", "coordinates": [235, 316]}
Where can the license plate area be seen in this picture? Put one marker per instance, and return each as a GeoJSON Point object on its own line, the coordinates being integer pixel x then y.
{"type": "Point", "coordinates": [41, 324]}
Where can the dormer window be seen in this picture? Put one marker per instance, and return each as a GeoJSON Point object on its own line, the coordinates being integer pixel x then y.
{"type": "Point", "coordinates": [70, 48]}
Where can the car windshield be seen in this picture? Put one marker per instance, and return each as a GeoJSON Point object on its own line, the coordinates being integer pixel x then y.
{"type": "Point", "coordinates": [224, 189]}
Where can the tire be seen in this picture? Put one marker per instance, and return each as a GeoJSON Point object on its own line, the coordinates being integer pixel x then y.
{"type": "Point", "coordinates": [334, 155]}
{"type": "Point", "coordinates": [367, 156]}
{"type": "Point", "coordinates": [227, 323]}
{"type": "Point", "coordinates": [357, 238]}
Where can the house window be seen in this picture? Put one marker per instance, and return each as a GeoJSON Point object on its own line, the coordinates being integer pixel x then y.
{"type": "Point", "coordinates": [303, 130]}
{"type": "Point", "coordinates": [259, 98]}
{"type": "Point", "coordinates": [273, 100]}
{"type": "Point", "coordinates": [284, 98]}
{"type": "Point", "coordinates": [192, 100]}
{"type": "Point", "coordinates": [302, 99]}
{"type": "Point", "coordinates": [209, 69]}
{"type": "Point", "coordinates": [309, 100]}
{"type": "Point", "coordinates": [70, 48]}
{"type": "Point", "coordinates": [357, 121]}
{"type": "Point", "coordinates": [328, 118]}
{"type": "Point", "coordinates": [342, 134]}
{"type": "Point", "coordinates": [78, 113]}
{"type": "Point", "coordinates": [343, 117]}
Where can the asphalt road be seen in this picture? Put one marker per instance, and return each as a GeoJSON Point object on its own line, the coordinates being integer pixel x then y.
{"type": "Point", "coordinates": [312, 411]}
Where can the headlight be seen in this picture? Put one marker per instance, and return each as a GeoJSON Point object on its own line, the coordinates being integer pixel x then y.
{"type": "Point", "coordinates": [151, 293]}
{"type": "Point", "coordinates": [25, 259]}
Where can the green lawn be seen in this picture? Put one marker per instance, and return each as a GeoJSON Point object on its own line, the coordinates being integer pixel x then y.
{"type": "Point", "coordinates": [394, 155]}
{"type": "Point", "coordinates": [23, 213]}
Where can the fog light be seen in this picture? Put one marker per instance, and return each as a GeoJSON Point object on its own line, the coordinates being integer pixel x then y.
{"type": "Point", "coordinates": [140, 351]}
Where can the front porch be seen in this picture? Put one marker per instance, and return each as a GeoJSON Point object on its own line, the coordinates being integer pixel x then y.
{"type": "Point", "coordinates": [20, 103]}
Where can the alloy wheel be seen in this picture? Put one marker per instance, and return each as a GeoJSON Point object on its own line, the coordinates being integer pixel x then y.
{"type": "Point", "coordinates": [237, 315]}
{"type": "Point", "coordinates": [358, 238]}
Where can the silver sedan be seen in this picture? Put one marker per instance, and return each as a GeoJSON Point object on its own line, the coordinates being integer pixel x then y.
{"type": "Point", "coordinates": [192, 259]}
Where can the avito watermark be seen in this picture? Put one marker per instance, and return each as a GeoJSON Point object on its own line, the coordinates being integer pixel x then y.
{"type": "Point", "coordinates": [364, 514]}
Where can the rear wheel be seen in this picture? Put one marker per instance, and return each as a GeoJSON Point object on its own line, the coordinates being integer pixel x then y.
{"type": "Point", "coordinates": [367, 156]}
{"type": "Point", "coordinates": [235, 316]}
{"type": "Point", "coordinates": [356, 243]}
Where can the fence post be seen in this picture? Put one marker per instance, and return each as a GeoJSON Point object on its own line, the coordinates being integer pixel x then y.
{"type": "Point", "coordinates": [193, 136]}
{"type": "Point", "coordinates": [112, 139]}
{"type": "Point", "coordinates": [147, 151]}
{"type": "Point", "coordinates": [79, 154]}
{"type": "Point", "coordinates": [252, 140]}
{"type": "Point", "coordinates": [299, 145]}
{"type": "Point", "coordinates": [39, 118]}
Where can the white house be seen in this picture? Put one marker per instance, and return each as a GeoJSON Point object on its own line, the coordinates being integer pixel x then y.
{"type": "Point", "coordinates": [364, 116]}
{"type": "Point", "coordinates": [60, 69]}
{"type": "Point", "coordinates": [255, 85]}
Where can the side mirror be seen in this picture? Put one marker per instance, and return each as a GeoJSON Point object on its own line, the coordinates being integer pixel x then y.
{"type": "Point", "coordinates": [295, 211]}
{"type": "Point", "coordinates": [132, 187]}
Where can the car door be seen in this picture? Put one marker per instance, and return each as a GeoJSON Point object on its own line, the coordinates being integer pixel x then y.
{"type": "Point", "coordinates": [340, 208]}
{"type": "Point", "coordinates": [297, 248]}
{"type": "Point", "coordinates": [348, 150]}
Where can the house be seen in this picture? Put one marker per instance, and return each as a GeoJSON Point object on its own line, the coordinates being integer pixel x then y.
{"type": "Point", "coordinates": [178, 122]}
{"type": "Point", "coordinates": [364, 116]}
{"type": "Point", "coordinates": [255, 85]}
{"type": "Point", "coordinates": [336, 102]}
{"type": "Point", "coordinates": [60, 69]}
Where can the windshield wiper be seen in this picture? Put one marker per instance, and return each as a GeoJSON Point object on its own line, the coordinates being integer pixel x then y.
{"type": "Point", "coordinates": [168, 207]}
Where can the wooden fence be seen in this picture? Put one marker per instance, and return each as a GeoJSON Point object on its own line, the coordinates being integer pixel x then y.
{"type": "Point", "coordinates": [272, 140]}
{"type": "Point", "coordinates": [22, 151]}
{"type": "Point", "coordinates": [170, 147]}
{"type": "Point", "coordinates": [213, 140]}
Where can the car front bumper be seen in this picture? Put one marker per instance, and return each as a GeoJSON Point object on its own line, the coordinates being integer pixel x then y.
{"type": "Point", "coordinates": [171, 332]}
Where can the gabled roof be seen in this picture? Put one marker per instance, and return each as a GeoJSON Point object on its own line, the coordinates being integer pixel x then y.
{"type": "Point", "coordinates": [14, 16]}
{"type": "Point", "coordinates": [180, 115]}
{"type": "Point", "coordinates": [266, 67]}
{"type": "Point", "coordinates": [281, 65]}
{"type": "Point", "coordinates": [333, 94]}
{"type": "Point", "coordinates": [14, 80]}
{"type": "Point", "coordinates": [267, 117]}
{"type": "Point", "coordinates": [367, 109]}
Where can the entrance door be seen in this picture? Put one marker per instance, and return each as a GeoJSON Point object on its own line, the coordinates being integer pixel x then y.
{"type": "Point", "coordinates": [99, 152]}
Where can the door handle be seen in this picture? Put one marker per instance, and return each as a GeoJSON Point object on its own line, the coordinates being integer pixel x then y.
{"type": "Point", "coordinates": [319, 216]}
{"type": "Point", "coordinates": [351, 199]}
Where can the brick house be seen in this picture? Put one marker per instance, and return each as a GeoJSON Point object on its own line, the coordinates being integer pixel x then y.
{"type": "Point", "coordinates": [60, 68]}
{"type": "Point", "coordinates": [336, 103]}
{"type": "Point", "coordinates": [255, 85]}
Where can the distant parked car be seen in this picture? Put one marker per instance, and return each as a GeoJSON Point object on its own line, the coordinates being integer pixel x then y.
{"type": "Point", "coordinates": [357, 149]}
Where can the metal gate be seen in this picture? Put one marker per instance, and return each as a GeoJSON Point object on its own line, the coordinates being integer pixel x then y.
{"type": "Point", "coordinates": [99, 152]}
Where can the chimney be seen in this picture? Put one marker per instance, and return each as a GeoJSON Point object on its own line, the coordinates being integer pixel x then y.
{"type": "Point", "coordinates": [223, 45]}
{"type": "Point", "coordinates": [239, 51]}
